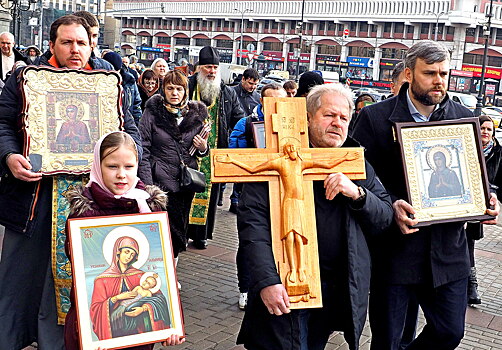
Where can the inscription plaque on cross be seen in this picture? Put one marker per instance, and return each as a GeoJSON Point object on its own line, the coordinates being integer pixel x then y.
{"type": "Point", "coordinates": [290, 166]}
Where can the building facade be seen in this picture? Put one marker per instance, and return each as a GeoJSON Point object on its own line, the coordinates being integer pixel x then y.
{"type": "Point", "coordinates": [361, 39]}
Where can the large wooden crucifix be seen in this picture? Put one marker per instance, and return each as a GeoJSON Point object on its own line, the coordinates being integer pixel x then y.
{"type": "Point", "coordinates": [290, 166]}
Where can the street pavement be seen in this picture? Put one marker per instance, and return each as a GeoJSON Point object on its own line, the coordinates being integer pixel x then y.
{"type": "Point", "coordinates": [209, 293]}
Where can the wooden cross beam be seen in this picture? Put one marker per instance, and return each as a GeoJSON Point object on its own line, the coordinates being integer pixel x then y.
{"type": "Point", "coordinates": [290, 166]}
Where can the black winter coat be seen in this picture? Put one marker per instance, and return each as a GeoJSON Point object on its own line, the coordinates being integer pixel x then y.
{"type": "Point", "coordinates": [262, 331]}
{"type": "Point", "coordinates": [436, 254]}
{"type": "Point", "coordinates": [20, 197]}
{"type": "Point", "coordinates": [229, 110]}
{"type": "Point", "coordinates": [161, 135]}
{"type": "Point", "coordinates": [18, 56]}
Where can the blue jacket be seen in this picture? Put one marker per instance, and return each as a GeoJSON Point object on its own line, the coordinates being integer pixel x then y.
{"type": "Point", "coordinates": [22, 203]}
{"type": "Point", "coordinates": [131, 101]}
{"type": "Point", "coordinates": [242, 134]}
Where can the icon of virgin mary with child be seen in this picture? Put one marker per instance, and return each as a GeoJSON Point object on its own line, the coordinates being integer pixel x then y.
{"type": "Point", "coordinates": [113, 312]}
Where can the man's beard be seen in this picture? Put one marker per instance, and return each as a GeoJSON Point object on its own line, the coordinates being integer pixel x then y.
{"type": "Point", "coordinates": [423, 96]}
{"type": "Point", "coordinates": [209, 90]}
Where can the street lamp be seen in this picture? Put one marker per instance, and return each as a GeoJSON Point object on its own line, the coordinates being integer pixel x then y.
{"type": "Point", "coordinates": [15, 7]}
{"type": "Point", "coordinates": [437, 22]}
{"type": "Point", "coordinates": [486, 33]}
{"type": "Point", "coordinates": [242, 12]}
{"type": "Point", "coordinates": [300, 28]}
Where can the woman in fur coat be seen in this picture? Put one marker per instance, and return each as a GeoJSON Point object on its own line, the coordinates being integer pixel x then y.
{"type": "Point", "coordinates": [169, 127]}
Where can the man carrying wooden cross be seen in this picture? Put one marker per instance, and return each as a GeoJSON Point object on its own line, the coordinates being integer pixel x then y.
{"type": "Point", "coordinates": [346, 213]}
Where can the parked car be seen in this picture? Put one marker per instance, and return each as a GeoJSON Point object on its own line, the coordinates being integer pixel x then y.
{"type": "Point", "coordinates": [466, 100]}
{"type": "Point", "coordinates": [263, 82]}
{"type": "Point", "coordinates": [496, 116]}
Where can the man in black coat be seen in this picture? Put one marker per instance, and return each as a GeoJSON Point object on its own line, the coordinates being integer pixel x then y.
{"type": "Point", "coordinates": [430, 264]}
{"type": "Point", "coordinates": [27, 298]}
{"type": "Point", "coordinates": [346, 214]}
{"type": "Point", "coordinates": [224, 111]}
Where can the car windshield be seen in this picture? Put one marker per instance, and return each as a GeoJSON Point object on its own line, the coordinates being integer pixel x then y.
{"type": "Point", "coordinates": [469, 101]}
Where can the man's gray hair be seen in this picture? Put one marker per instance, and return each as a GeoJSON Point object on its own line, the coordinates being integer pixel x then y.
{"type": "Point", "coordinates": [398, 69]}
{"type": "Point", "coordinates": [427, 50]}
{"type": "Point", "coordinates": [315, 94]}
{"type": "Point", "coordinates": [10, 35]}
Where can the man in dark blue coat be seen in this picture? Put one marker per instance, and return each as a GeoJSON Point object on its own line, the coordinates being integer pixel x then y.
{"type": "Point", "coordinates": [27, 298]}
{"type": "Point", "coordinates": [430, 264]}
{"type": "Point", "coordinates": [346, 214]}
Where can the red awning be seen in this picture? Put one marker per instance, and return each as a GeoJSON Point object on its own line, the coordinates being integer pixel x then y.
{"type": "Point", "coordinates": [359, 43]}
{"type": "Point", "coordinates": [180, 35]}
{"type": "Point", "coordinates": [127, 47]}
{"type": "Point", "coordinates": [327, 42]}
{"type": "Point", "coordinates": [162, 34]}
{"type": "Point", "coordinates": [293, 41]}
{"type": "Point", "coordinates": [143, 33]}
{"type": "Point", "coordinates": [127, 32]}
{"type": "Point", "coordinates": [491, 52]}
{"type": "Point", "coordinates": [394, 45]}
{"type": "Point", "coordinates": [200, 36]}
{"type": "Point", "coordinates": [270, 39]}
{"type": "Point", "coordinates": [245, 38]}
{"type": "Point", "coordinates": [222, 37]}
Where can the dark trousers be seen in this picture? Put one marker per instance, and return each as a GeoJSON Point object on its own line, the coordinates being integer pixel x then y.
{"type": "Point", "coordinates": [242, 271]}
{"type": "Point", "coordinates": [236, 192]}
{"type": "Point", "coordinates": [444, 310]}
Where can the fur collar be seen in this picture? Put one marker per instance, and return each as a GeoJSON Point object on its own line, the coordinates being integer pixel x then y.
{"type": "Point", "coordinates": [80, 203]}
{"type": "Point", "coordinates": [194, 116]}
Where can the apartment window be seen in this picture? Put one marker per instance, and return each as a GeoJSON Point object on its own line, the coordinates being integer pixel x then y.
{"type": "Point", "coordinates": [272, 46]}
{"type": "Point", "coordinates": [399, 28]}
{"type": "Point", "coordinates": [387, 28]}
{"type": "Point", "coordinates": [275, 25]}
{"type": "Point", "coordinates": [470, 32]}
{"type": "Point", "coordinates": [331, 26]}
{"type": "Point", "coordinates": [363, 27]}
{"type": "Point", "coordinates": [352, 26]}
{"type": "Point", "coordinates": [163, 40]}
{"type": "Point", "coordinates": [182, 41]}
{"type": "Point", "coordinates": [228, 44]}
{"type": "Point", "coordinates": [361, 51]}
{"type": "Point", "coordinates": [321, 25]}
{"type": "Point", "coordinates": [424, 28]}
{"type": "Point", "coordinates": [202, 42]}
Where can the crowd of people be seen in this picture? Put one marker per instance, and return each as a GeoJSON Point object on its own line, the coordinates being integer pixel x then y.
{"type": "Point", "coordinates": [365, 229]}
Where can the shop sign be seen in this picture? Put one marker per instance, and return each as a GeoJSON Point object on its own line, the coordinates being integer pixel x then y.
{"type": "Point", "coordinates": [387, 63]}
{"type": "Point", "coordinates": [360, 61]}
{"type": "Point", "coordinates": [461, 73]}
{"type": "Point", "coordinates": [490, 72]}
{"type": "Point", "coordinates": [146, 48]}
{"type": "Point", "coordinates": [304, 57]}
{"type": "Point", "coordinates": [272, 56]}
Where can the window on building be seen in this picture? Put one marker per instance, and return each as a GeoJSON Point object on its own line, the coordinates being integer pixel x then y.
{"type": "Point", "coordinates": [331, 26]}
{"type": "Point", "coordinates": [272, 46]}
{"type": "Point", "coordinates": [227, 44]}
{"type": "Point", "coordinates": [352, 26]}
{"type": "Point", "coordinates": [361, 51]}
{"type": "Point", "coordinates": [393, 53]}
{"type": "Point", "coordinates": [450, 30]}
{"type": "Point", "coordinates": [329, 49]}
{"type": "Point", "coordinates": [202, 42]}
{"type": "Point", "coordinates": [424, 28]}
{"type": "Point", "coordinates": [363, 27]}
{"type": "Point", "coordinates": [470, 32]}
{"type": "Point", "coordinates": [410, 29]}
{"type": "Point", "coordinates": [275, 25]}
{"type": "Point", "coordinates": [399, 28]}
{"type": "Point", "coordinates": [387, 28]}
{"type": "Point", "coordinates": [321, 25]}
{"type": "Point", "coordinates": [163, 40]}
{"type": "Point", "coordinates": [183, 41]}
{"type": "Point", "coordinates": [374, 28]}
{"type": "Point", "coordinates": [248, 24]}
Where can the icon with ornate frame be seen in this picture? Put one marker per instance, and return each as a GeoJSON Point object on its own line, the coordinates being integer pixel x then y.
{"type": "Point", "coordinates": [65, 112]}
{"type": "Point", "coordinates": [445, 170]}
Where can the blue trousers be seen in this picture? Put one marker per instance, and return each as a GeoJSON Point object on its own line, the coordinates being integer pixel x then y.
{"type": "Point", "coordinates": [444, 310]}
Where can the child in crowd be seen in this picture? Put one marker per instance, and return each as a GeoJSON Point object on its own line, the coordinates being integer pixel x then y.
{"type": "Point", "coordinates": [113, 183]}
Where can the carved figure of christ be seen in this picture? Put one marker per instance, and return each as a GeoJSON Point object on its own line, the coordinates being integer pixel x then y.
{"type": "Point", "coordinates": [291, 198]}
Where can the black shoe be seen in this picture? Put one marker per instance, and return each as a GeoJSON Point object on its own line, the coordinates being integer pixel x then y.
{"type": "Point", "coordinates": [200, 244]}
{"type": "Point", "coordinates": [472, 289]}
{"type": "Point", "coordinates": [220, 201]}
{"type": "Point", "coordinates": [233, 208]}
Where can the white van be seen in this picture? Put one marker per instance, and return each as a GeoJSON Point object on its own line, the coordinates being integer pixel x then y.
{"type": "Point", "coordinates": [466, 100]}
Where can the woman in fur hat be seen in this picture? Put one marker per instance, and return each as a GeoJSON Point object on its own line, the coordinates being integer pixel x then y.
{"type": "Point", "coordinates": [170, 125]}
